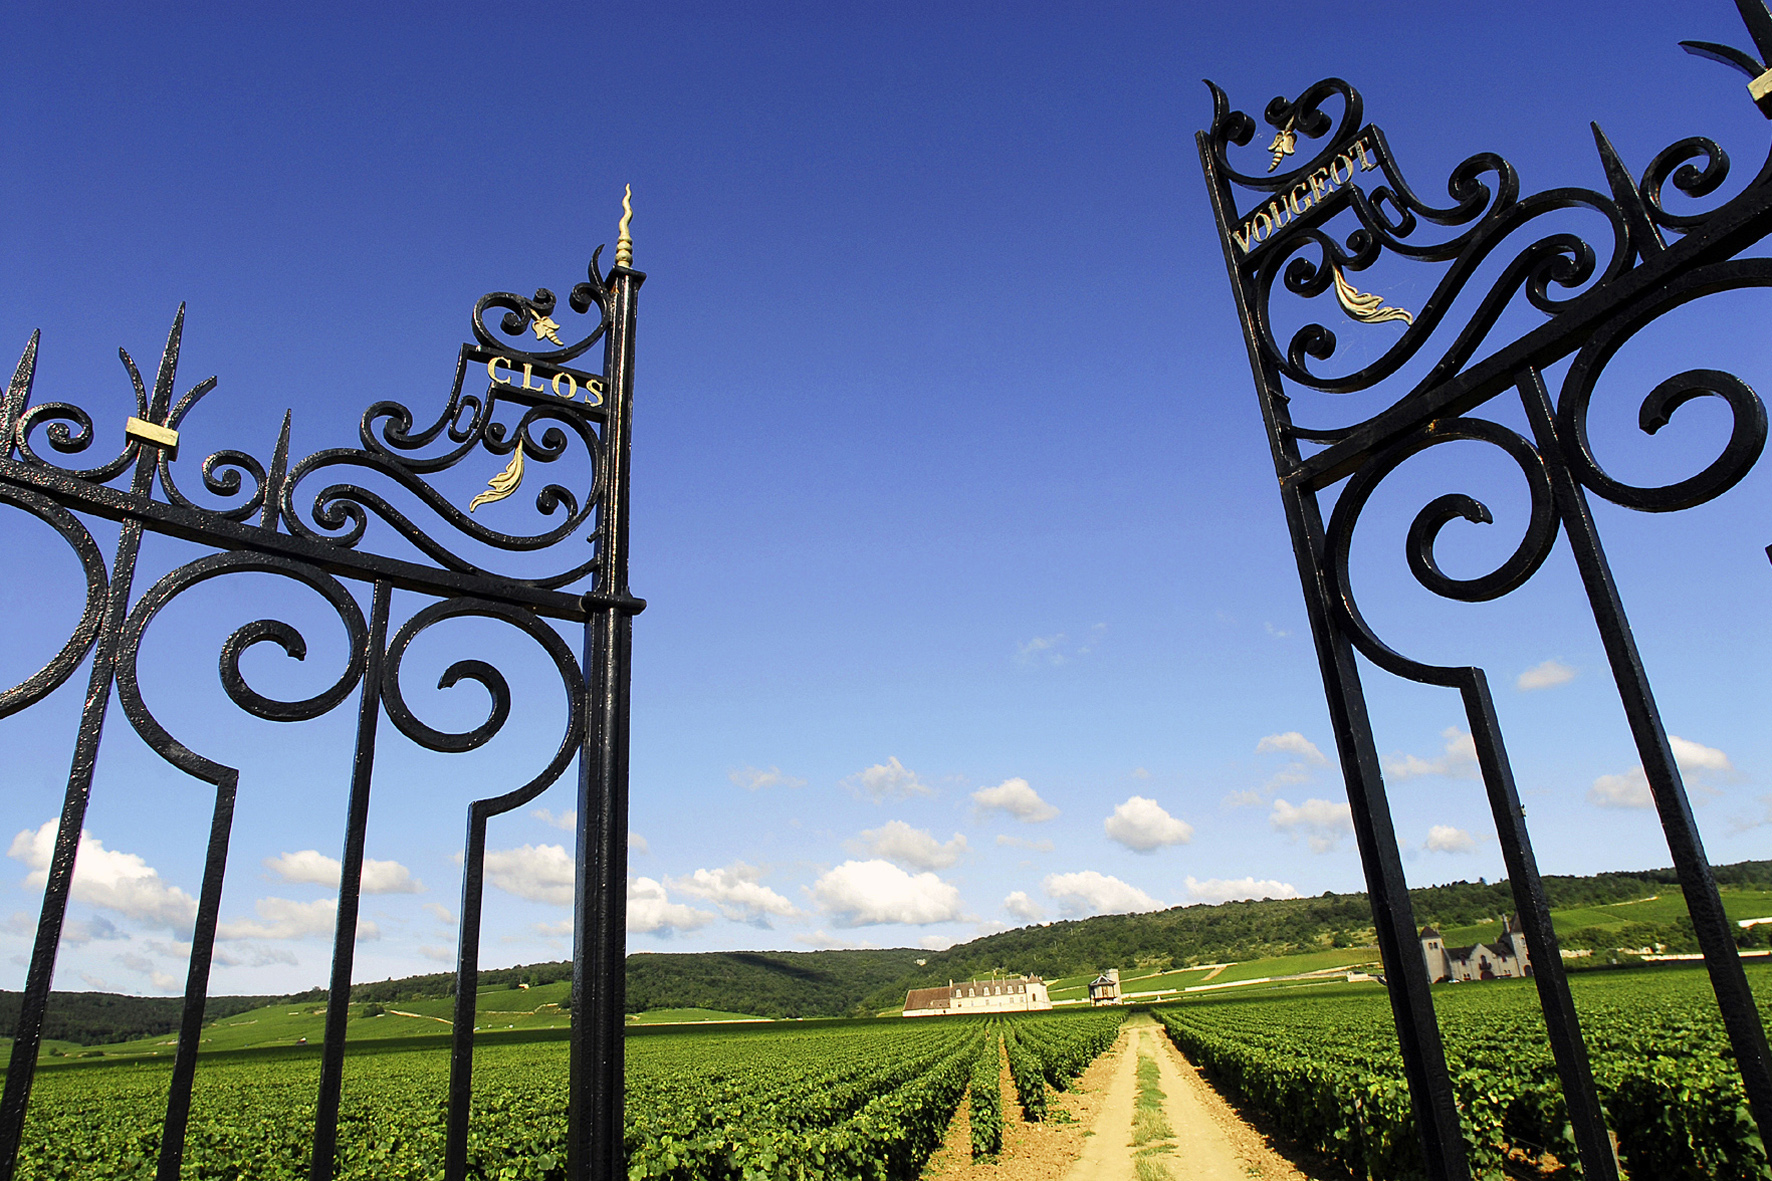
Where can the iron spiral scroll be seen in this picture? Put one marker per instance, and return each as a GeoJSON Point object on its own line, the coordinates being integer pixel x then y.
{"type": "Point", "coordinates": [1330, 205]}
{"type": "Point", "coordinates": [328, 522]}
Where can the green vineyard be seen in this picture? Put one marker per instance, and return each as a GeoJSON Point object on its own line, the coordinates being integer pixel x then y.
{"type": "Point", "coordinates": [848, 1100]}
{"type": "Point", "coordinates": [1326, 1070]}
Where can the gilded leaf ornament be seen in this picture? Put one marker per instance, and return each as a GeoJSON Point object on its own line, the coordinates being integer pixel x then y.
{"type": "Point", "coordinates": [503, 484]}
{"type": "Point", "coordinates": [1368, 309]}
{"type": "Point", "coordinates": [1285, 143]}
{"type": "Point", "coordinates": [546, 329]}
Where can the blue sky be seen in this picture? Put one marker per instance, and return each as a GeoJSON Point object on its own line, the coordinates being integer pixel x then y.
{"type": "Point", "coordinates": [967, 574]}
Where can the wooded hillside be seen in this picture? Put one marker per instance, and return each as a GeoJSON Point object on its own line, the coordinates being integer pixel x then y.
{"type": "Point", "coordinates": [843, 983]}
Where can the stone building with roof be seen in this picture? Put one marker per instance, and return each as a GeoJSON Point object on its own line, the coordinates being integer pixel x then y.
{"type": "Point", "coordinates": [1501, 958]}
{"type": "Point", "coordinates": [1011, 994]}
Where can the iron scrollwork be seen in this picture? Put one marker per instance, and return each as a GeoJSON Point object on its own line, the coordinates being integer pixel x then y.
{"type": "Point", "coordinates": [1307, 229]}
{"type": "Point", "coordinates": [297, 520]}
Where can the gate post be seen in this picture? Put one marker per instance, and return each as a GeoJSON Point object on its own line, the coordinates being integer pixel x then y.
{"type": "Point", "coordinates": [599, 916]}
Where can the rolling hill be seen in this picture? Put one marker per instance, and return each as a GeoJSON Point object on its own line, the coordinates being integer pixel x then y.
{"type": "Point", "coordinates": [1601, 911]}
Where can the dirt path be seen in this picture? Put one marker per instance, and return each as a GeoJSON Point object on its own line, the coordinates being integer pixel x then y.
{"type": "Point", "coordinates": [1090, 1130]}
{"type": "Point", "coordinates": [1199, 1149]}
{"type": "Point", "coordinates": [1107, 1155]}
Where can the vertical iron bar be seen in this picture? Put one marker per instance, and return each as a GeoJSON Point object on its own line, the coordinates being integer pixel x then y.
{"type": "Point", "coordinates": [467, 992]}
{"type": "Point", "coordinates": [599, 954]}
{"type": "Point", "coordinates": [28, 1037]}
{"type": "Point", "coordinates": [1715, 933]}
{"type": "Point", "coordinates": [350, 885]}
{"type": "Point", "coordinates": [190, 1026]}
{"type": "Point", "coordinates": [1393, 916]}
{"type": "Point", "coordinates": [1587, 1120]}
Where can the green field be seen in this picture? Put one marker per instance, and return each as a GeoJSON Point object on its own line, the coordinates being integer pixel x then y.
{"type": "Point", "coordinates": [1663, 908]}
{"type": "Point", "coordinates": [289, 1025]}
{"type": "Point", "coordinates": [689, 1016]}
{"type": "Point", "coordinates": [1323, 1063]}
{"type": "Point", "coordinates": [861, 1097]}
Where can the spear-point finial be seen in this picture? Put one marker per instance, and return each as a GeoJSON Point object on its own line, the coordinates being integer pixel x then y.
{"type": "Point", "coordinates": [624, 245]}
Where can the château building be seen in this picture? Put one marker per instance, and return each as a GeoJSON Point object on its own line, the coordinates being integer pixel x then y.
{"type": "Point", "coordinates": [1014, 994]}
{"type": "Point", "coordinates": [1506, 956]}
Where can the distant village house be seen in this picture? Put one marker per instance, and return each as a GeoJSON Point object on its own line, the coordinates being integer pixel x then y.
{"type": "Point", "coordinates": [1015, 994]}
{"type": "Point", "coordinates": [1507, 956]}
{"type": "Point", "coordinates": [1105, 988]}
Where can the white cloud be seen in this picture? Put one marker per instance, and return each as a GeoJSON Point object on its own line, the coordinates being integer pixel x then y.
{"type": "Point", "coordinates": [737, 890]}
{"type": "Point", "coordinates": [1700, 765]}
{"type": "Point", "coordinates": [313, 866]}
{"type": "Point", "coordinates": [857, 893]}
{"type": "Point", "coordinates": [755, 778]}
{"type": "Point", "coordinates": [1018, 905]}
{"type": "Point", "coordinates": [443, 955]}
{"type": "Point", "coordinates": [1443, 838]}
{"type": "Point", "coordinates": [890, 780]}
{"type": "Point", "coordinates": [254, 955]}
{"type": "Point", "coordinates": [1457, 759]}
{"type": "Point", "coordinates": [913, 848]}
{"type": "Point", "coordinates": [1302, 768]}
{"type": "Point", "coordinates": [1010, 842]}
{"type": "Point", "coordinates": [1142, 825]}
{"type": "Point", "coordinates": [86, 930]}
{"type": "Point", "coordinates": [1229, 889]}
{"type": "Point", "coordinates": [166, 983]}
{"type": "Point", "coordinates": [1696, 759]}
{"type": "Point", "coordinates": [1015, 797]}
{"type": "Point", "coordinates": [1627, 790]}
{"type": "Point", "coordinates": [637, 843]}
{"type": "Point", "coordinates": [540, 873]}
{"type": "Point", "coordinates": [1089, 892]}
{"type": "Point", "coordinates": [1140, 773]}
{"type": "Point", "coordinates": [1548, 675]}
{"type": "Point", "coordinates": [441, 913]}
{"type": "Point", "coordinates": [651, 911]}
{"type": "Point", "coordinates": [285, 918]}
{"type": "Point", "coordinates": [1293, 743]}
{"type": "Point", "coordinates": [823, 941]}
{"type": "Point", "coordinates": [107, 878]}
{"type": "Point", "coordinates": [1322, 822]}
{"type": "Point", "coordinates": [1041, 650]}
{"type": "Point", "coordinates": [389, 877]}
{"type": "Point", "coordinates": [309, 865]}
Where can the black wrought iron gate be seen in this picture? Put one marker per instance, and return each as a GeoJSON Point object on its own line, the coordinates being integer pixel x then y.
{"type": "Point", "coordinates": [263, 530]}
{"type": "Point", "coordinates": [1333, 202]}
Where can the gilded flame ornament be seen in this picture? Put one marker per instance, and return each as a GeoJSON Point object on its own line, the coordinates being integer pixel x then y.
{"type": "Point", "coordinates": [1367, 309]}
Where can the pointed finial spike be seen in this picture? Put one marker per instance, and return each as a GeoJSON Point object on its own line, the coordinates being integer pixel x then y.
{"type": "Point", "coordinates": [273, 492]}
{"type": "Point", "coordinates": [1644, 235]}
{"type": "Point", "coordinates": [624, 245]}
{"type": "Point", "coordinates": [1758, 19]}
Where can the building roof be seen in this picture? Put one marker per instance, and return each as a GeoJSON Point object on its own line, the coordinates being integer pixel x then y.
{"type": "Point", "coordinates": [1430, 932]}
{"type": "Point", "coordinates": [927, 998]}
